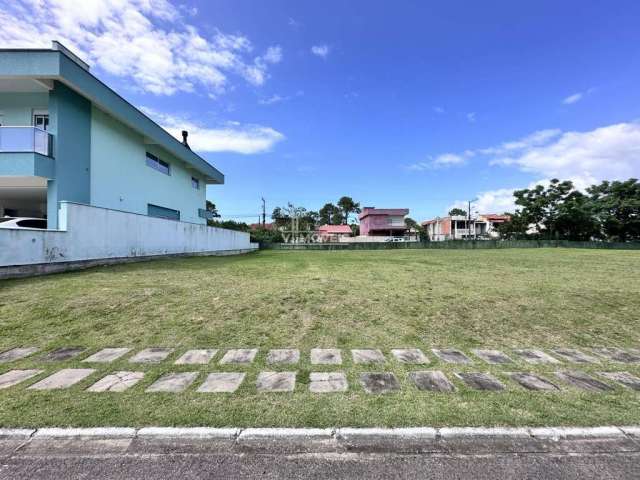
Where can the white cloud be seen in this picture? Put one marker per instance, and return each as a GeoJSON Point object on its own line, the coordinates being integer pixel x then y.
{"type": "Point", "coordinates": [611, 152]}
{"type": "Point", "coordinates": [272, 100]}
{"type": "Point", "coordinates": [228, 137]}
{"type": "Point", "coordinates": [576, 97]}
{"type": "Point", "coordinates": [273, 54]}
{"type": "Point", "coordinates": [448, 159]}
{"type": "Point", "coordinates": [275, 98]}
{"type": "Point", "coordinates": [606, 153]}
{"type": "Point", "coordinates": [492, 201]}
{"type": "Point", "coordinates": [471, 117]}
{"type": "Point", "coordinates": [534, 139]}
{"type": "Point", "coordinates": [497, 201]}
{"type": "Point", "coordinates": [293, 23]}
{"type": "Point", "coordinates": [320, 50]}
{"type": "Point", "coordinates": [442, 161]}
{"type": "Point", "coordinates": [438, 109]}
{"type": "Point", "coordinates": [148, 42]}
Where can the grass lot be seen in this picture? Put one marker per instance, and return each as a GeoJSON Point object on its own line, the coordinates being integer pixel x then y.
{"type": "Point", "coordinates": [348, 299]}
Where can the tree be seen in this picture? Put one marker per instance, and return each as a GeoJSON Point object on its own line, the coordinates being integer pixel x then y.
{"type": "Point", "coordinates": [410, 223]}
{"type": "Point", "coordinates": [329, 214]}
{"type": "Point", "coordinates": [211, 207]}
{"type": "Point", "coordinates": [455, 212]}
{"type": "Point", "coordinates": [556, 211]}
{"type": "Point", "coordinates": [230, 225]}
{"type": "Point", "coordinates": [347, 205]}
{"type": "Point", "coordinates": [280, 218]}
{"type": "Point", "coordinates": [515, 228]}
{"type": "Point", "coordinates": [616, 205]}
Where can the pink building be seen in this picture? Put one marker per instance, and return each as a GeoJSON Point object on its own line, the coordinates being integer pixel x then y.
{"type": "Point", "coordinates": [387, 222]}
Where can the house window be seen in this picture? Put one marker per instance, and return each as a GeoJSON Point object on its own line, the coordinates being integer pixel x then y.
{"type": "Point", "coordinates": [195, 183]}
{"type": "Point", "coordinates": [162, 212]}
{"type": "Point", "coordinates": [41, 119]}
{"type": "Point", "coordinates": [157, 164]}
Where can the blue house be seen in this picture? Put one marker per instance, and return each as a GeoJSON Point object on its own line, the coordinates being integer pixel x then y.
{"type": "Point", "coordinates": [67, 137]}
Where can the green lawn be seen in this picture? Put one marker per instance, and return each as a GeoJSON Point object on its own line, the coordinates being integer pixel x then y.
{"type": "Point", "coordinates": [427, 299]}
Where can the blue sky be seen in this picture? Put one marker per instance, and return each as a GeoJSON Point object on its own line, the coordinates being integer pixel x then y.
{"type": "Point", "coordinates": [398, 104]}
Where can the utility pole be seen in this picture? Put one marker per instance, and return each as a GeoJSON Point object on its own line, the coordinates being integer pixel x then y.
{"type": "Point", "coordinates": [468, 219]}
{"type": "Point", "coordinates": [264, 213]}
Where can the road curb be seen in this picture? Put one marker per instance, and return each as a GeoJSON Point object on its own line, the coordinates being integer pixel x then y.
{"type": "Point", "coordinates": [304, 440]}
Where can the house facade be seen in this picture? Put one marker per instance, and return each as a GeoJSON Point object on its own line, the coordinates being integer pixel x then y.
{"type": "Point", "coordinates": [460, 227]}
{"type": "Point", "coordinates": [67, 137]}
{"type": "Point", "coordinates": [110, 182]}
{"type": "Point", "coordinates": [383, 222]}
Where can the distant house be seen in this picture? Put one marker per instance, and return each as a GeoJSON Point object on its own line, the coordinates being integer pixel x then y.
{"type": "Point", "coordinates": [265, 226]}
{"type": "Point", "coordinates": [459, 227]}
{"type": "Point", "coordinates": [333, 233]}
{"type": "Point", "coordinates": [383, 222]}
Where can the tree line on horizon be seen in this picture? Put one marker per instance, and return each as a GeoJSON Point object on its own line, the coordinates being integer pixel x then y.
{"type": "Point", "coordinates": [607, 211]}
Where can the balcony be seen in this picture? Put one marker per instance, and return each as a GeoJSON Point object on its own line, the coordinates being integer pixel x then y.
{"type": "Point", "coordinates": [26, 152]}
{"type": "Point", "coordinates": [26, 140]}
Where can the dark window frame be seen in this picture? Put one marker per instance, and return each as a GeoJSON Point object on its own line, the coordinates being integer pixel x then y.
{"type": "Point", "coordinates": [171, 214]}
{"type": "Point", "coordinates": [158, 164]}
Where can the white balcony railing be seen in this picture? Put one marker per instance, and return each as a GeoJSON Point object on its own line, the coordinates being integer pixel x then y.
{"type": "Point", "coordinates": [25, 139]}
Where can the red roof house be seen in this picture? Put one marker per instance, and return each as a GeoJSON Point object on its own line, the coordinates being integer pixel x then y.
{"type": "Point", "coordinates": [328, 233]}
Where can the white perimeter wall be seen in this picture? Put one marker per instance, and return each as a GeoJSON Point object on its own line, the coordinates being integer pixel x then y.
{"type": "Point", "coordinates": [89, 233]}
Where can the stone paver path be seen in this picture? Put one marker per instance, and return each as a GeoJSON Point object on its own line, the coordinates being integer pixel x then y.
{"type": "Point", "coordinates": [65, 353]}
{"type": "Point", "coordinates": [151, 355]}
{"type": "Point", "coordinates": [573, 355]}
{"type": "Point", "coordinates": [14, 377]}
{"type": "Point", "coordinates": [531, 381]}
{"type": "Point", "coordinates": [326, 356]}
{"type": "Point", "coordinates": [222, 382]}
{"type": "Point", "coordinates": [239, 356]}
{"type": "Point", "coordinates": [451, 355]}
{"type": "Point", "coordinates": [535, 356]}
{"type": "Point", "coordinates": [327, 382]}
{"type": "Point", "coordinates": [173, 382]}
{"type": "Point", "coordinates": [276, 381]}
{"type": "Point", "coordinates": [196, 357]}
{"type": "Point", "coordinates": [116, 382]}
{"type": "Point", "coordinates": [494, 357]}
{"type": "Point", "coordinates": [583, 381]}
{"type": "Point", "coordinates": [330, 382]}
{"type": "Point", "coordinates": [17, 354]}
{"type": "Point", "coordinates": [107, 355]}
{"type": "Point", "coordinates": [433, 381]}
{"type": "Point", "coordinates": [617, 355]}
{"type": "Point", "coordinates": [365, 356]}
{"type": "Point", "coordinates": [410, 355]}
{"type": "Point", "coordinates": [481, 381]}
{"type": "Point", "coordinates": [283, 355]}
{"type": "Point", "coordinates": [625, 378]}
{"type": "Point", "coordinates": [379, 382]}
{"type": "Point", "coordinates": [63, 379]}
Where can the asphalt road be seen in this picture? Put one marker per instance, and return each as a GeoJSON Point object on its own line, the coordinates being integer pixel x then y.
{"type": "Point", "coordinates": [617, 466]}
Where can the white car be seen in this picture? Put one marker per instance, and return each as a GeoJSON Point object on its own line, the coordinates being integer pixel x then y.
{"type": "Point", "coordinates": [23, 222]}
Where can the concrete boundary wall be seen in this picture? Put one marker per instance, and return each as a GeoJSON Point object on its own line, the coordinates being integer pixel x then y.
{"type": "Point", "coordinates": [90, 236]}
